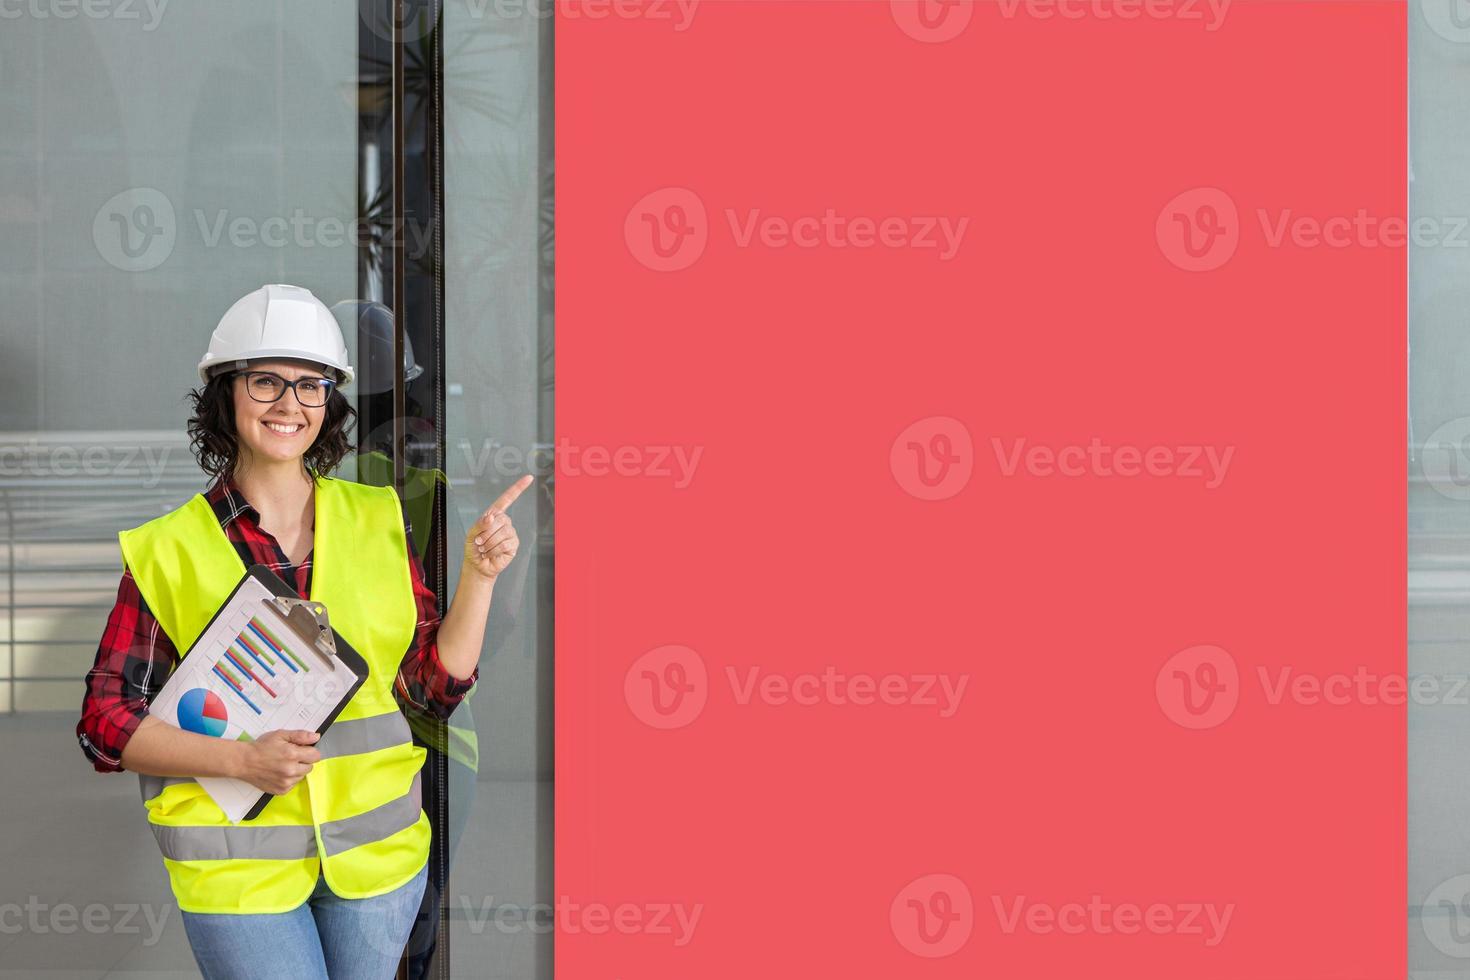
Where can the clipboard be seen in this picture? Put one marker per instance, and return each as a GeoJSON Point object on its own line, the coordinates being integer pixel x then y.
{"type": "Point", "coordinates": [267, 659]}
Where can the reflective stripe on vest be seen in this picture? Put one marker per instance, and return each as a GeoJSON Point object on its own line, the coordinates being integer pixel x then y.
{"type": "Point", "coordinates": [358, 735]}
{"type": "Point", "coordinates": [358, 814]}
{"type": "Point", "coordinates": [352, 737]}
{"type": "Point", "coordinates": [290, 843]}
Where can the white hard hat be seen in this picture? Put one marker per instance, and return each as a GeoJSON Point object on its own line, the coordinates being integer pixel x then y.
{"type": "Point", "coordinates": [374, 325]}
{"type": "Point", "coordinates": [277, 321]}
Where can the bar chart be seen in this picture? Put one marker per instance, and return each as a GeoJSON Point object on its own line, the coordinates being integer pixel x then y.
{"type": "Point", "coordinates": [251, 662]}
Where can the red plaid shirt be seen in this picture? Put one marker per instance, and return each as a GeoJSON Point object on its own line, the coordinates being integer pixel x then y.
{"type": "Point", "coordinates": [135, 657]}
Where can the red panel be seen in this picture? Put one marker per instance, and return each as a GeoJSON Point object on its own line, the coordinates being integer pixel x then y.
{"type": "Point", "coordinates": [964, 345]}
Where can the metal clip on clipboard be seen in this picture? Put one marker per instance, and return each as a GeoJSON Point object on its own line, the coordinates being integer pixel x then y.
{"type": "Point", "coordinates": [308, 620]}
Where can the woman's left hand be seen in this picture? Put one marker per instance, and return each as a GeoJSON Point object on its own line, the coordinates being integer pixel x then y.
{"type": "Point", "coordinates": [492, 541]}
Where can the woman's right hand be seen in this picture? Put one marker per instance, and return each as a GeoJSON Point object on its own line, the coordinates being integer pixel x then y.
{"type": "Point", "coordinates": [279, 760]}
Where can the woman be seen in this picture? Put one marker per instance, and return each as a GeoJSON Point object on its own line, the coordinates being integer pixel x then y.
{"type": "Point", "coordinates": [326, 881]}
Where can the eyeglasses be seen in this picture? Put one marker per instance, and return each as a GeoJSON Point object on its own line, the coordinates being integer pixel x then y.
{"type": "Point", "coordinates": [266, 386]}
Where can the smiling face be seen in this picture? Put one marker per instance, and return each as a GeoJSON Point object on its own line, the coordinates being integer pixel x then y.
{"type": "Point", "coordinates": [280, 431]}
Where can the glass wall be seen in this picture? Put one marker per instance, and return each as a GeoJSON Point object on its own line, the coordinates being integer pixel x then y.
{"type": "Point", "coordinates": [155, 169]}
{"type": "Point", "coordinates": [159, 161]}
{"type": "Point", "coordinates": [1439, 493]}
{"type": "Point", "coordinates": [498, 424]}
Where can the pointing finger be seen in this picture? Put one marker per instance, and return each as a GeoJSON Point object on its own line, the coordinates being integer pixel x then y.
{"type": "Point", "coordinates": [517, 488]}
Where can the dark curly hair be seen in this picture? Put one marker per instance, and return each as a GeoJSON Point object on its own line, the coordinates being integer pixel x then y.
{"type": "Point", "coordinates": [216, 444]}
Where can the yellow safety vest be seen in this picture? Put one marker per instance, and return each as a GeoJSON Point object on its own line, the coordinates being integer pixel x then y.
{"type": "Point", "coordinates": [358, 814]}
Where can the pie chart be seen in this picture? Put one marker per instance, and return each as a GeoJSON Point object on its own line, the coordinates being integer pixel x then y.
{"type": "Point", "coordinates": [202, 711]}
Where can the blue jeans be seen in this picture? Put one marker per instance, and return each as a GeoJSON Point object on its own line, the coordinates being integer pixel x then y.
{"type": "Point", "coordinates": [324, 938]}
